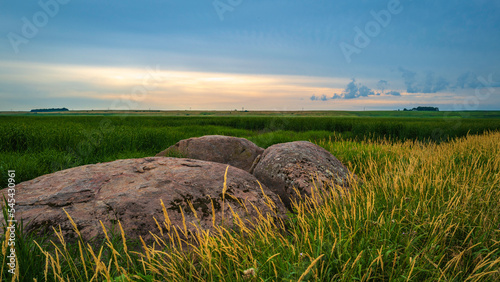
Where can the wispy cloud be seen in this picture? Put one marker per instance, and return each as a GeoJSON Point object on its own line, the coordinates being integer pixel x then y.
{"type": "Point", "coordinates": [433, 84]}
{"type": "Point", "coordinates": [355, 90]}
{"type": "Point", "coordinates": [382, 85]}
{"type": "Point", "coordinates": [394, 93]}
{"type": "Point", "coordinates": [467, 80]}
{"type": "Point", "coordinates": [430, 83]}
{"type": "Point", "coordinates": [410, 80]}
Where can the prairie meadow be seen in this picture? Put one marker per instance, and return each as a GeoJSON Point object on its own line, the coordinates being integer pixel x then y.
{"type": "Point", "coordinates": [425, 207]}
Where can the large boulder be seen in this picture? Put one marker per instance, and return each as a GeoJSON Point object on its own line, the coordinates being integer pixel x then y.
{"type": "Point", "coordinates": [300, 165]}
{"type": "Point", "coordinates": [130, 191]}
{"type": "Point", "coordinates": [238, 152]}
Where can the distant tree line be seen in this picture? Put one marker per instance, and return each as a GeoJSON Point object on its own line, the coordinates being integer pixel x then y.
{"type": "Point", "coordinates": [49, 110]}
{"type": "Point", "coordinates": [423, 109]}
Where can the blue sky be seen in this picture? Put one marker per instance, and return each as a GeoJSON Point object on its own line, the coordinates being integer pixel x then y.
{"type": "Point", "coordinates": [261, 55]}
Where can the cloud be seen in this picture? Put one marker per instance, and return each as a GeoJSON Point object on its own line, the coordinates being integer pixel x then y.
{"type": "Point", "coordinates": [440, 84]}
{"type": "Point", "coordinates": [365, 91]}
{"type": "Point", "coordinates": [468, 80]}
{"type": "Point", "coordinates": [433, 84]}
{"type": "Point", "coordinates": [355, 90]}
{"type": "Point", "coordinates": [409, 80]}
{"type": "Point", "coordinates": [430, 84]}
{"type": "Point", "coordinates": [382, 85]}
{"type": "Point", "coordinates": [319, 98]}
{"type": "Point", "coordinates": [336, 96]}
{"type": "Point", "coordinates": [394, 93]}
{"type": "Point", "coordinates": [351, 90]}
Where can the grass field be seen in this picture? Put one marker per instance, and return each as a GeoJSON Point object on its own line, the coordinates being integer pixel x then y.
{"type": "Point", "coordinates": [40, 144]}
{"type": "Point", "coordinates": [427, 210]}
{"type": "Point", "coordinates": [389, 114]}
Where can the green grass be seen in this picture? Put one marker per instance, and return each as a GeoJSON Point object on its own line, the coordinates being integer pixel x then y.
{"type": "Point", "coordinates": [37, 145]}
{"type": "Point", "coordinates": [427, 208]}
{"type": "Point", "coordinates": [424, 212]}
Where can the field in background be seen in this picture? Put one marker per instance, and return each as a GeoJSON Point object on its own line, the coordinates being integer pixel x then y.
{"type": "Point", "coordinates": [413, 114]}
{"type": "Point", "coordinates": [43, 143]}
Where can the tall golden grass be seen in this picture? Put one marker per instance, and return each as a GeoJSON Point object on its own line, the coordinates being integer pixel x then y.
{"type": "Point", "coordinates": [421, 212]}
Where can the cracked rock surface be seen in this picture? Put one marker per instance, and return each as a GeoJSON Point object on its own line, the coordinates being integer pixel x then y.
{"type": "Point", "coordinates": [130, 191]}
{"type": "Point", "coordinates": [297, 164]}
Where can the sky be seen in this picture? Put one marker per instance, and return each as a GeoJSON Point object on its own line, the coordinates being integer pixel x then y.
{"type": "Point", "coordinates": [252, 55]}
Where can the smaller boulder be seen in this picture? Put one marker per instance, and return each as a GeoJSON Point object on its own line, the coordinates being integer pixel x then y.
{"type": "Point", "coordinates": [302, 165]}
{"type": "Point", "coordinates": [237, 152]}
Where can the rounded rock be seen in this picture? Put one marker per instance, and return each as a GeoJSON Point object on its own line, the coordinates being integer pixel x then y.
{"type": "Point", "coordinates": [238, 152]}
{"type": "Point", "coordinates": [131, 191]}
{"type": "Point", "coordinates": [301, 165]}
